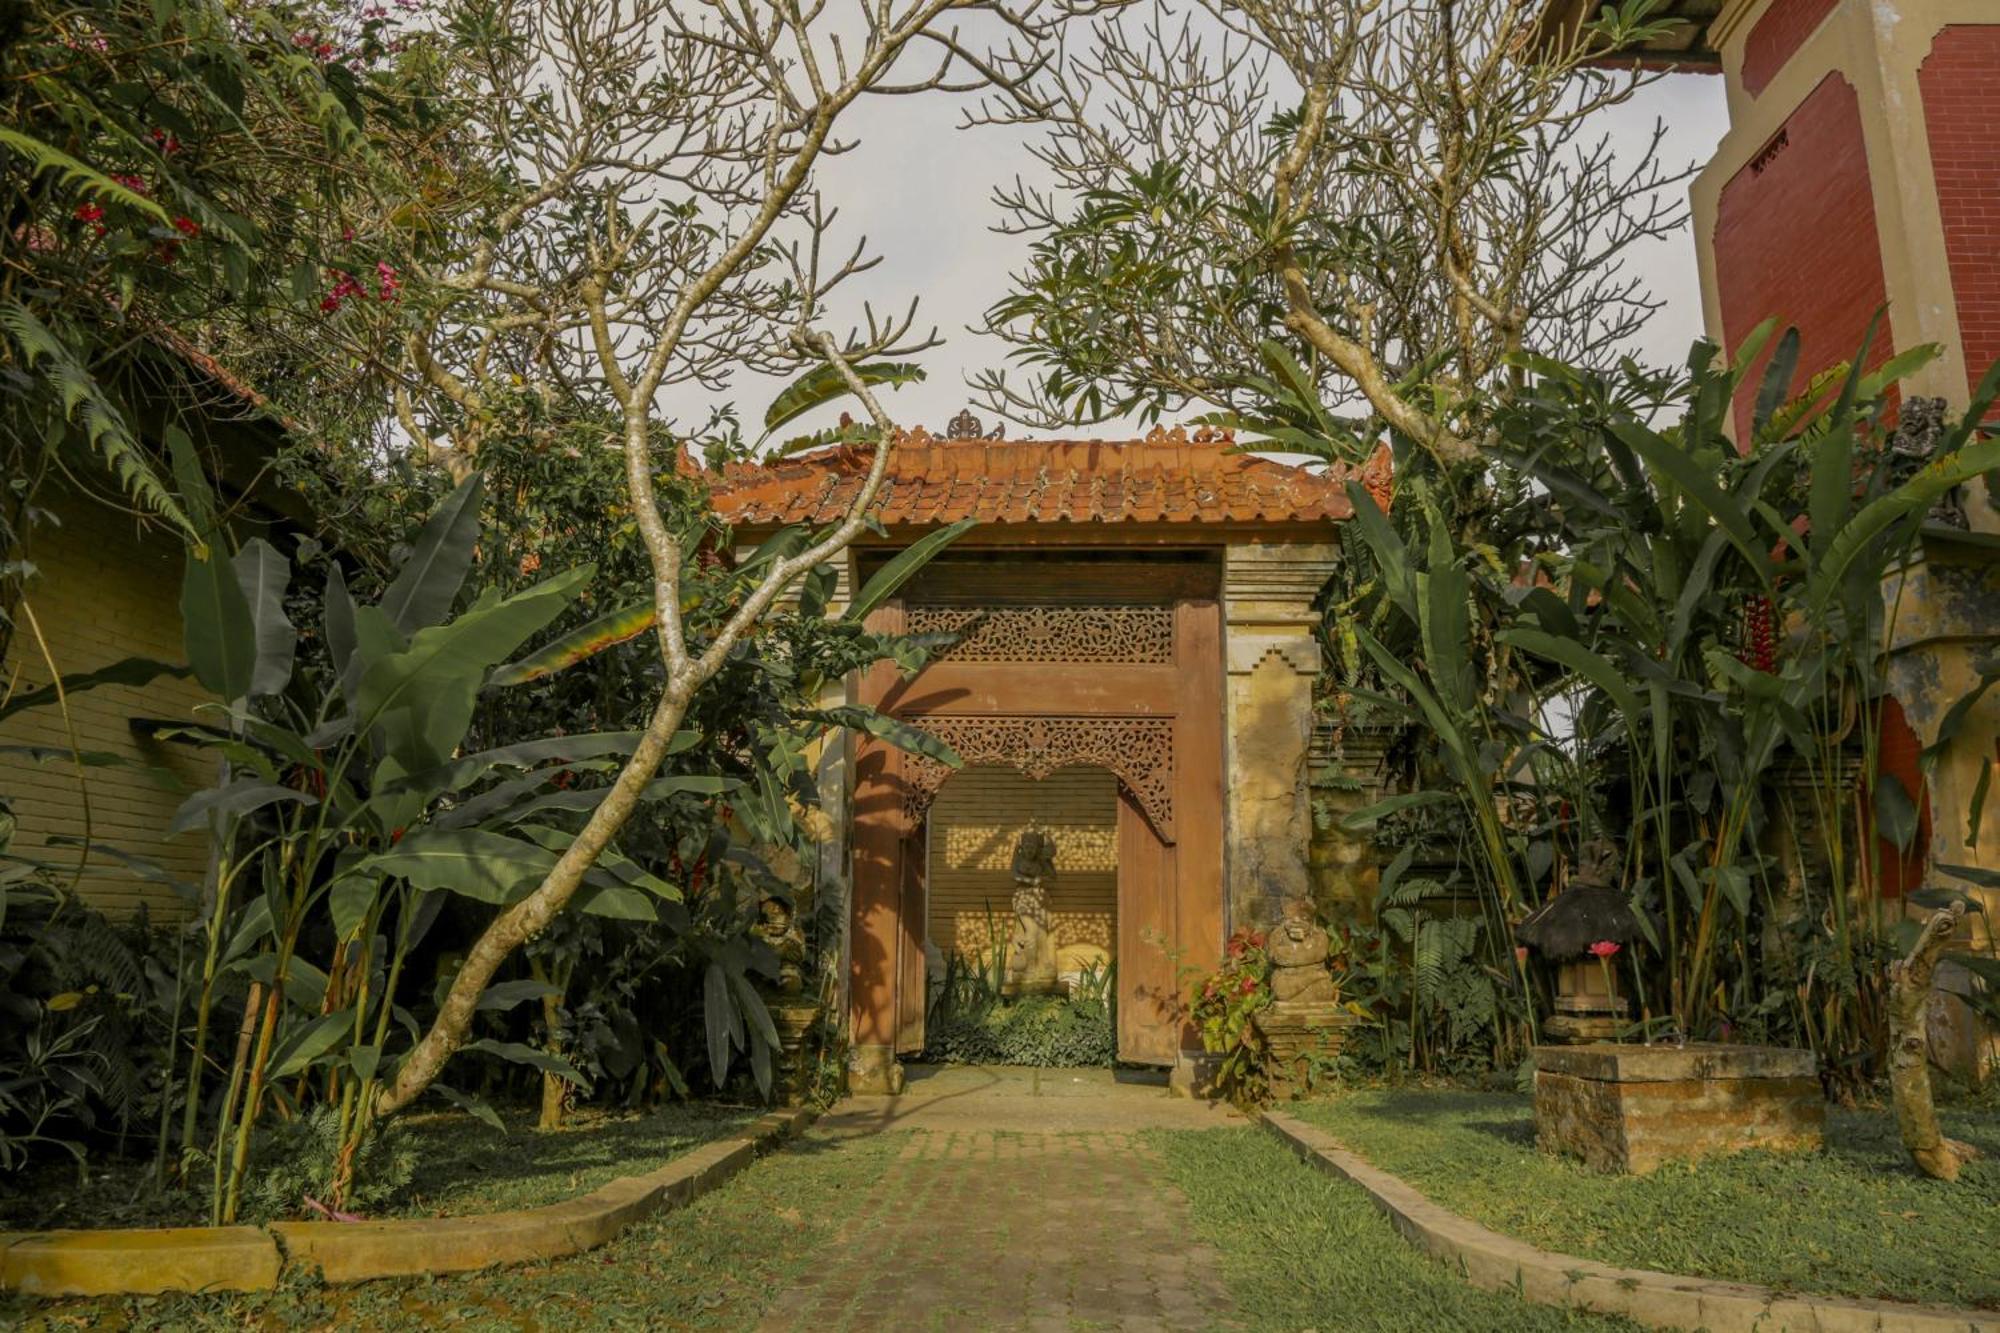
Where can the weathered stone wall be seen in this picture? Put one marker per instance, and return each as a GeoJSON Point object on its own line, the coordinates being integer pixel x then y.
{"type": "Point", "coordinates": [1272, 656]}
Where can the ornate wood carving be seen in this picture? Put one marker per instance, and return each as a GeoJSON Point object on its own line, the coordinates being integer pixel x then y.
{"type": "Point", "coordinates": [1138, 750]}
{"type": "Point", "coordinates": [1124, 634]}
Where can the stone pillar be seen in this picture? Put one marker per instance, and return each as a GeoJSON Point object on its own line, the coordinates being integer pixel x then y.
{"type": "Point", "coordinates": [1271, 653]}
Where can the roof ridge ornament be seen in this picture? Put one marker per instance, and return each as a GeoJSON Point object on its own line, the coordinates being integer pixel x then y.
{"type": "Point", "coordinates": [966, 426]}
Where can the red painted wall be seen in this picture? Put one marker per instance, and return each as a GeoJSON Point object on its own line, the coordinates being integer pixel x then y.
{"type": "Point", "coordinates": [1776, 36]}
{"type": "Point", "coordinates": [1900, 755]}
{"type": "Point", "coordinates": [1795, 237]}
{"type": "Point", "coordinates": [1961, 88]}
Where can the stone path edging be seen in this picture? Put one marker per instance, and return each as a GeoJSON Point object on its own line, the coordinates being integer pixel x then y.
{"type": "Point", "coordinates": [146, 1261]}
{"type": "Point", "coordinates": [1660, 1300]}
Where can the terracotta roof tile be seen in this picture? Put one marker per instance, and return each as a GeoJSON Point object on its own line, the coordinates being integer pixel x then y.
{"type": "Point", "coordinates": [1165, 478]}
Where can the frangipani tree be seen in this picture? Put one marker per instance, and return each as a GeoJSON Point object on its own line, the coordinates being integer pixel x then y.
{"type": "Point", "coordinates": [1262, 206]}
{"type": "Point", "coordinates": [652, 224]}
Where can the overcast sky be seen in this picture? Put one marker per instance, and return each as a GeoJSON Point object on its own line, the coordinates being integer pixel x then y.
{"type": "Point", "coordinates": [920, 189]}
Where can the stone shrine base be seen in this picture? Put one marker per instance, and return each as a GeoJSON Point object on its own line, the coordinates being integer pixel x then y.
{"type": "Point", "coordinates": [1632, 1108]}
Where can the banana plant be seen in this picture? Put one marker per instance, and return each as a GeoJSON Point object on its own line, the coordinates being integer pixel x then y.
{"type": "Point", "coordinates": [1710, 611]}
{"type": "Point", "coordinates": [352, 806]}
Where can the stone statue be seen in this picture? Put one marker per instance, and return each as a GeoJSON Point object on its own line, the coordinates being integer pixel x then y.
{"type": "Point", "coordinates": [1298, 951]}
{"type": "Point", "coordinates": [778, 927]}
{"type": "Point", "coordinates": [1031, 949]}
{"type": "Point", "coordinates": [1598, 863]}
{"type": "Point", "coordinates": [1921, 424]}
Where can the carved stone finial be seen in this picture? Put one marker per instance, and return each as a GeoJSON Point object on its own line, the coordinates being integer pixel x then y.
{"type": "Point", "coordinates": [1162, 435]}
{"type": "Point", "coordinates": [964, 426]}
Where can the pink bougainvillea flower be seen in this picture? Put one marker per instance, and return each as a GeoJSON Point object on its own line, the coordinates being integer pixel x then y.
{"type": "Point", "coordinates": [166, 143]}
{"type": "Point", "coordinates": [135, 184]}
{"type": "Point", "coordinates": [1249, 984]}
{"type": "Point", "coordinates": [1604, 948]}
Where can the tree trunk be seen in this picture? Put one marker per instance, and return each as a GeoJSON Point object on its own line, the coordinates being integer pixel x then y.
{"type": "Point", "coordinates": [1909, 1060]}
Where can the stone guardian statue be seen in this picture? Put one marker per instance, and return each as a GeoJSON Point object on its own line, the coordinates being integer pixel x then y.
{"type": "Point", "coordinates": [1030, 967]}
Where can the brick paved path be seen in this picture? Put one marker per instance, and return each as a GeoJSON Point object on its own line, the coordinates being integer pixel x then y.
{"type": "Point", "coordinates": [988, 1221]}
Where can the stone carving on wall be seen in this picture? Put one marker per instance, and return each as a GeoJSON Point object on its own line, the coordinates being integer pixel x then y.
{"type": "Point", "coordinates": [1125, 634]}
{"type": "Point", "coordinates": [1139, 751]}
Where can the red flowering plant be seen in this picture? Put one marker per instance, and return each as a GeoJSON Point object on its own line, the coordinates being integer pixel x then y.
{"type": "Point", "coordinates": [1224, 1004]}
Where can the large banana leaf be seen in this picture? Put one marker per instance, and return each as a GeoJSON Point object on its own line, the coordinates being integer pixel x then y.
{"type": "Point", "coordinates": [901, 734]}
{"type": "Point", "coordinates": [234, 799]}
{"type": "Point", "coordinates": [423, 698]}
{"type": "Point", "coordinates": [1697, 484]}
{"type": "Point", "coordinates": [1910, 500]}
{"type": "Point", "coordinates": [424, 589]}
{"type": "Point", "coordinates": [1387, 547]}
{"type": "Point", "coordinates": [1599, 671]}
{"type": "Point", "coordinates": [893, 575]}
{"type": "Point", "coordinates": [479, 864]}
{"type": "Point", "coordinates": [218, 630]}
{"type": "Point", "coordinates": [264, 576]}
{"type": "Point", "coordinates": [824, 384]}
{"type": "Point", "coordinates": [588, 640]}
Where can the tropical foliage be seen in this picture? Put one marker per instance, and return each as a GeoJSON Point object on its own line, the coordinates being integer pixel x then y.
{"type": "Point", "coordinates": [1663, 640]}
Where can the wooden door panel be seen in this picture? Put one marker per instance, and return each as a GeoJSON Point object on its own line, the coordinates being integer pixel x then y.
{"type": "Point", "coordinates": [911, 990]}
{"type": "Point", "coordinates": [1148, 999]}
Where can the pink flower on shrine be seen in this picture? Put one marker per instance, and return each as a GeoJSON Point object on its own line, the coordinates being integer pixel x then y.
{"type": "Point", "coordinates": [1604, 948]}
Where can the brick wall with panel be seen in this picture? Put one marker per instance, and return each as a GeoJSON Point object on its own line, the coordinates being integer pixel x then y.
{"type": "Point", "coordinates": [979, 815]}
{"type": "Point", "coordinates": [104, 592]}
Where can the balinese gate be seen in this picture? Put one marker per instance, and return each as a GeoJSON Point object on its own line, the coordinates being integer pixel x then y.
{"type": "Point", "coordinates": [1061, 662]}
{"type": "Point", "coordinates": [1142, 607]}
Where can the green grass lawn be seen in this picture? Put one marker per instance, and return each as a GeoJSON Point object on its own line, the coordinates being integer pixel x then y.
{"type": "Point", "coordinates": [462, 1166]}
{"type": "Point", "coordinates": [1855, 1220]}
{"type": "Point", "coordinates": [716, 1264]}
{"type": "Point", "coordinates": [1301, 1250]}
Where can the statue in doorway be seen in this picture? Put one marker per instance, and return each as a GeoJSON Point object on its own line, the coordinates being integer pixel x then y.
{"type": "Point", "coordinates": [1030, 967]}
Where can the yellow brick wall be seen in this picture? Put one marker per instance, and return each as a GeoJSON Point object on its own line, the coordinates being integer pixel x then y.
{"type": "Point", "coordinates": [104, 592]}
{"type": "Point", "coordinates": [974, 823]}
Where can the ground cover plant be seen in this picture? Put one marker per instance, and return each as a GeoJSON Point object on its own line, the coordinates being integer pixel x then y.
{"type": "Point", "coordinates": [1302, 1250]}
{"type": "Point", "coordinates": [716, 1264]}
{"type": "Point", "coordinates": [1855, 1220]}
{"type": "Point", "coordinates": [971, 1022]}
{"type": "Point", "coordinates": [452, 1164]}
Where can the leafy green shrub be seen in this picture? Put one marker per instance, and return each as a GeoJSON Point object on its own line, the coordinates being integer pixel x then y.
{"type": "Point", "coordinates": [1042, 1030]}
{"type": "Point", "coordinates": [299, 1158]}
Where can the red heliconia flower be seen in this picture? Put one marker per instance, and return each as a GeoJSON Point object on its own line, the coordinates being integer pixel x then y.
{"type": "Point", "coordinates": [187, 227]}
{"type": "Point", "coordinates": [1604, 949]}
{"type": "Point", "coordinates": [1760, 650]}
{"type": "Point", "coordinates": [89, 212]}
